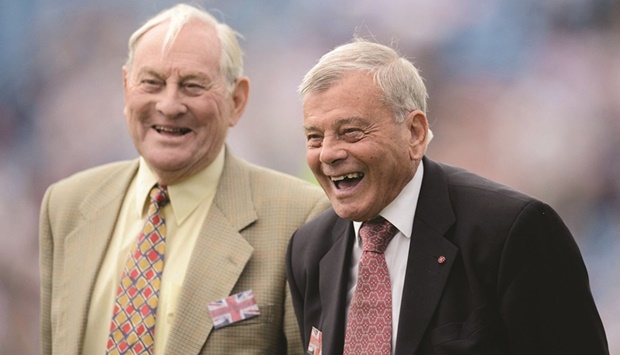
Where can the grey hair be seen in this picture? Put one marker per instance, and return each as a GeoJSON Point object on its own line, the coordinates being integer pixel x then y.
{"type": "Point", "coordinates": [231, 58]}
{"type": "Point", "coordinates": [402, 86]}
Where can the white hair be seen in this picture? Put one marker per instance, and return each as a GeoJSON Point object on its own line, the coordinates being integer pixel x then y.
{"type": "Point", "coordinates": [402, 86]}
{"type": "Point", "coordinates": [231, 57]}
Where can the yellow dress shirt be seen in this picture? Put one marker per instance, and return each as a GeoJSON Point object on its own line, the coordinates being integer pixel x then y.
{"type": "Point", "coordinates": [189, 204]}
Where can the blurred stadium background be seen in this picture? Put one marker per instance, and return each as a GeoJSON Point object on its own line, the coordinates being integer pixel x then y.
{"type": "Point", "coordinates": [524, 92]}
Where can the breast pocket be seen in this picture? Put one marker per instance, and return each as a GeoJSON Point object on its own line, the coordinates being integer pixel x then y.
{"type": "Point", "coordinates": [265, 317]}
{"type": "Point", "coordinates": [481, 333]}
{"type": "Point", "coordinates": [256, 335]}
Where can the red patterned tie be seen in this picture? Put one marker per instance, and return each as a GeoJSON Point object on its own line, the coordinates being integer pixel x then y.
{"type": "Point", "coordinates": [133, 322]}
{"type": "Point", "coordinates": [369, 327]}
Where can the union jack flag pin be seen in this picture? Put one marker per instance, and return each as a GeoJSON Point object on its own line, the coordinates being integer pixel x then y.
{"type": "Point", "coordinates": [232, 309]}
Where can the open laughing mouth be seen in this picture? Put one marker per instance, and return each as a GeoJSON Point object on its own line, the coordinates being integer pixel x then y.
{"type": "Point", "coordinates": [347, 181]}
{"type": "Point", "coordinates": [171, 130]}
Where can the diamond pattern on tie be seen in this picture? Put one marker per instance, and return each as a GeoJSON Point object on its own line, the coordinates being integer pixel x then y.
{"type": "Point", "coordinates": [369, 326]}
{"type": "Point", "coordinates": [132, 330]}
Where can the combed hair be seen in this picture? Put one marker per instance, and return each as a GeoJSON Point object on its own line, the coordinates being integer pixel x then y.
{"type": "Point", "coordinates": [231, 58]}
{"type": "Point", "coordinates": [402, 86]}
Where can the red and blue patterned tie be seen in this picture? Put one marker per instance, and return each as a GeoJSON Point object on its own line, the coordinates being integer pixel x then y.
{"type": "Point", "coordinates": [132, 330]}
{"type": "Point", "coordinates": [369, 326]}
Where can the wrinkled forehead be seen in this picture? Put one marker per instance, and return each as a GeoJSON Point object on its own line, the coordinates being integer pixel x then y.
{"type": "Point", "coordinates": [194, 37]}
{"type": "Point", "coordinates": [355, 96]}
{"type": "Point", "coordinates": [359, 86]}
{"type": "Point", "coordinates": [351, 79]}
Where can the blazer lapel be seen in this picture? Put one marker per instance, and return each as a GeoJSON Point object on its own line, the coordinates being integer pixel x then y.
{"type": "Point", "coordinates": [100, 211]}
{"type": "Point", "coordinates": [332, 283]}
{"type": "Point", "coordinates": [426, 274]}
{"type": "Point", "coordinates": [218, 259]}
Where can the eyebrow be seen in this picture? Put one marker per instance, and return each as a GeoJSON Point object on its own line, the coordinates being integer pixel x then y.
{"type": "Point", "coordinates": [148, 71]}
{"type": "Point", "coordinates": [339, 122]}
{"type": "Point", "coordinates": [188, 76]}
{"type": "Point", "coordinates": [199, 76]}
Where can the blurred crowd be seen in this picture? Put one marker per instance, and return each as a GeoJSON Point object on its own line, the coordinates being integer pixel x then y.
{"type": "Point", "coordinates": [524, 92]}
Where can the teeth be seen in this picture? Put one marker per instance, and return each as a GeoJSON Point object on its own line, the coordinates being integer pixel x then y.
{"type": "Point", "coordinates": [161, 129]}
{"type": "Point", "coordinates": [348, 176]}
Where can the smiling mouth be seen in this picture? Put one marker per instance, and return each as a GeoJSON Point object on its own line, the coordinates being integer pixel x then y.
{"type": "Point", "coordinates": [347, 181]}
{"type": "Point", "coordinates": [172, 130]}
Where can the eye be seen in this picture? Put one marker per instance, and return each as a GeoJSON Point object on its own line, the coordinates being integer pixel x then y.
{"type": "Point", "coordinates": [314, 140]}
{"type": "Point", "coordinates": [352, 134]}
{"type": "Point", "coordinates": [151, 85]}
{"type": "Point", "coordinates": [193, 88]}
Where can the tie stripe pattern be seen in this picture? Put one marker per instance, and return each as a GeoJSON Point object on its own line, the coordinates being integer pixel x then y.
{"type": "Point", "coordinates": [132, 329]}
{"type": "Point", "coordinates": [369, 325]}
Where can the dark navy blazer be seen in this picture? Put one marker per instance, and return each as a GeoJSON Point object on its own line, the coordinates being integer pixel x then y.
{"type": "Point", "coordinates": [513, 280]}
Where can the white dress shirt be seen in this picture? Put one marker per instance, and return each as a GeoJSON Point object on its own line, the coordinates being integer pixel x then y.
{"type": "Point", "coordinates": [400, 213]}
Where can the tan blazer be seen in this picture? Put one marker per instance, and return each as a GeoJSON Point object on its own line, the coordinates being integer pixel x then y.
{"type": "Point", "coordinates": [241, 246]}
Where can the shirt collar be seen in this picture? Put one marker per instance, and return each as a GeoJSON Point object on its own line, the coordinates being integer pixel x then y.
{"type": "Point", "coordinates": [184, 196]}
{"type": "Point", "coordinates": [401, 211]}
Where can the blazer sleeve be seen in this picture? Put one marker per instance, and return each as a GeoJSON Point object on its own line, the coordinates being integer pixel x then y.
{"type": "Point", "coordinates": [543, 289]}
{"type": "Point", "coordinates": [46, 246]}
{"type": "Point", "coordinates": [294, 302]}
{"type": "Point", "coordinates": [291, 330]}
{"type": "Point", "coordinates": [296, 298]}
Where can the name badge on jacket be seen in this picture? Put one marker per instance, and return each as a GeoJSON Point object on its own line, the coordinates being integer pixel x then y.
{"type": "Point", "coordinates": [315, 347]}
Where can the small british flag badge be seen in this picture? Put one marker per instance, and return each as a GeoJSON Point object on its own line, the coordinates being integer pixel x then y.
{"type": "Point", "coordinates": [232, 309]}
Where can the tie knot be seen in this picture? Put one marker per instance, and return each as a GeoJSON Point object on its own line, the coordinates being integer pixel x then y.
{"type": "Point", "coordinates": [376, 234]}
{"type": "Point", "coordinates": [159, 195]}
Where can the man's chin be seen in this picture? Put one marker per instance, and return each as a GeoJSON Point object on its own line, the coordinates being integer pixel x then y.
{"type": "Point", "coordinates": [169, 163]}
{"type": "Point", "coordinates": [346, 211]}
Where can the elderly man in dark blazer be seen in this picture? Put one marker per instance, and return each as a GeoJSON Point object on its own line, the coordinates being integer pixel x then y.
{"type": "Point", "coordinates": [470, 267]}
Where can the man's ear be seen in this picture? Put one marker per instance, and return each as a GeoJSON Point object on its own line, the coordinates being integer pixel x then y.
{"type": "Point", "coordinates": [240, 97]}
{"type": "Point", "coordinates": [418, 128]}
{"type": "Point", "coordinates": [125, 73]}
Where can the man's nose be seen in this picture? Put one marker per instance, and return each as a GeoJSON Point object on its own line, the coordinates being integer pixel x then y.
{"type": "Point", "coordinates": [171, 103]}
{"type": "Point", "coordinates": [332, 150]}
